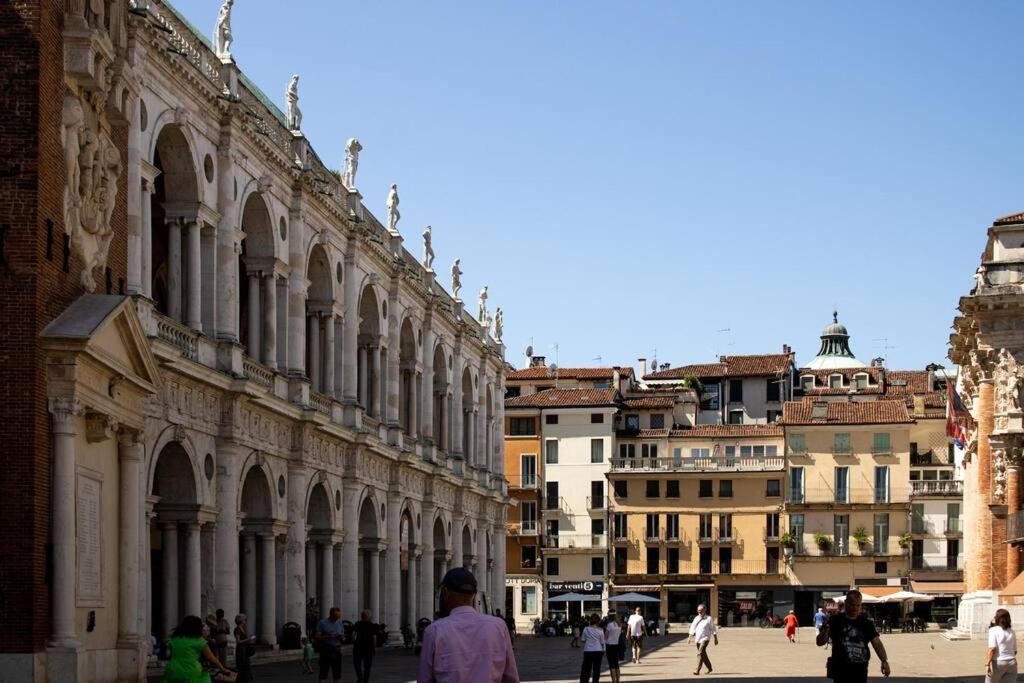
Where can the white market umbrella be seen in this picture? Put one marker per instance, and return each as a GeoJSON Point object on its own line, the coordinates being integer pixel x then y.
{"type": "Point", "coordinates": [866, 599]}
{"type": "Point", "coordinates": [632, 597]}
{"type": "Point", "coordinates": [909, 596]}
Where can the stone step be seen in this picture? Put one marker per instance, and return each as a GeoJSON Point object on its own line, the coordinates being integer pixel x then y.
{"type": "Point", "coordinates": [956, 634]}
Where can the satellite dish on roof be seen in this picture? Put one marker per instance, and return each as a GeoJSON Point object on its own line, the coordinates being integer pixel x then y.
{"type": "Point", "coordinates": [529, 350]}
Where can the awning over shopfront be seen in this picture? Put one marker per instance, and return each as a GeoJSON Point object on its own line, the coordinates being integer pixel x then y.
{"type": "Point", "coordinates": [879, 591]}
{"type": "Point", "coordinates": [939, 589]}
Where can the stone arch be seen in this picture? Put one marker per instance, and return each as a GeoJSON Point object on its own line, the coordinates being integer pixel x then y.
{"type": "Point", "coordinates": [172, 434]}
{"type": "Point", "coordinates": [174, 201]}
{"type": "Point", "coordinates": [468, 408]}
{"type": "Point", "coordinates": [256, 498]}
{"type": "Point", "coordinates": [442, 397]}
{"type": "Point", "coordinates": [255, 264]}
{"type": "Point", "coordinates": [262, 465]}
{"type": "Point", "coordinates": [407, 561]}
{"type": "Point", "coordinates": [408, 378]}
{"type": "Point", "coordinates": [371, 357]}
{"type": "Point", "coordinates": [322, 365]}
{"type": "Point", "coordinates": [319, 508]}
{"type": "Point", "coordinates": [488, 456]}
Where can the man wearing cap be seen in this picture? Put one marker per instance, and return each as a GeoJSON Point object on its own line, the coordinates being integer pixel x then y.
{"type": "Point", "coordinates": [465, 646]}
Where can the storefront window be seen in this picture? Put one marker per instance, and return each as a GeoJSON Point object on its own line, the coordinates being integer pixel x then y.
{"type": "Point", "coordinates": [529, 600]}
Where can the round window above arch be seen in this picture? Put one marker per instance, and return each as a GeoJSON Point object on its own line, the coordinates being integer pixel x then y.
{"type": "Point", "coordinates": [384, 306]}
{"type": "Point", "coordinates": [280, 486]}
{"type": "Point", "coordinates": [208, 168]}
{"type": "Point", "coordinates": [208, 468]}
{"type": "Point", "coordinates": [143, 115]}
{"type": "Point", "coordinates": [383, 512]}
{"type": "Point", "coordinates": [337, 500]}
{"type": "Point", "coordinates": [236, 188]}
{"type": "Point", "coordinates": [282, 227]}
{"type": "Point", "coordinates": [417, 520]}
{"type": "Point", "coordinates": [339, 271]}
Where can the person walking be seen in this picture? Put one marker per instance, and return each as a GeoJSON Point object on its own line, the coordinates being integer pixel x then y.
{"type": "Point", "coordinates": [636, 628]}
{"type": "Point", "coordinates": [612, 638]}
{"type": "Point", "coordinates": [702, 630]}
{"type": "Point", "coordinates": [220, 631]}
{"type": "Point", "coordinates": [465, 646]}
{"type": "Point", "coordinates": [187, 647]}
{"type": "Point", "coordinates": [1001, 662]}
{"type": "Point", "coordinates": [307, 656]}
{"type": "Point", "coordinates": [364, 646]}
{"type": "Point", "coordinates": [819, 621]}
{"type": "Point", "coordinates": [791, 623]}
{"type": "Point", "coordinates": [575, 642]}
{"type": "Point", "coordinates": [328, 639]}
{"type": "Point", "coordinates": [850, 633]}
{"type": "Point", "coordinates": [593, 650]}
{"type": "Point", "coordinates": [243, 648]}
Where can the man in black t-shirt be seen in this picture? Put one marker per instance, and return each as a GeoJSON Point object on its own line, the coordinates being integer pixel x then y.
{"type": "Point", "coordinates": [364, 645]}
{"type": "Point", "coordinates": [851, 632]}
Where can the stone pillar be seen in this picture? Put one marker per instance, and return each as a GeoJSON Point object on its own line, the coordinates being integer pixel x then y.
{"type": "Point", "coordinates": [455, 437]}
{"type": "Point", "coordinates": [364, 382]}
{"type": "Point", "coordinates": [339, 354]}
{"type": "Point", "coordinates": [426, 608]}
{"type": "Point", "coordinates": [393, 572]}
{"type": "Point", "coordinates": [414, 401]}
{"type": "Point", "coordinates": [410, 590]}
{"type": "Point", "coordinates": [350, 553]}
{"type": "Point", "coordinates": [427, 388]}
{"type": "Point", "coordinates": [326, 596]}
{"type": "Point", "coordinates": [391, 379]}
{"type": "Point", "coordinates": [312, 584]}
{"type": "Point", "coordinates": [297, 288]}
{"type": "Point", "coordinates": [339, 572]}
{"type": "Point", "coordinates": [250, 591]}
{"type": "Point", "coordinates": [375, 380]}
{"type": "Point", "coordinates": [130, 518]}
{"type": "Point", "coordinates": [295, 570]}
{"type": "Point", "coordinates": [170, 576]}
{"type": "Point", "coordinates": [482, 578]}
{"type": "Point", "coordinates": [981, 577]}
{"type": "Point", "coordinates": [209, 282]}
{"type": "Point", "coordinates": [253, 341]}
{"type": "Point", "coordinates": [270, 320]}
{"type": "Point", "coordinates": [146, 275]}
{"type": "Point", "coordinates": [1012, 507]}
{"type": "Point", "coordinates": [268, 594]}
{"type": "Point", "coordinates": [498, 573]}
{"type": "Point", "coordinates": [328, 383]}
{"type": "Point", "coordinates": [64, 414]}
{"type": "Point", "coordinates": [193, 566]}
{"type": "Point", "coordinates": [350, 340]}
{"type": "Point", "coordinates": [194, 310]}
{"type": "Point", "coordinates": [313, 339]}
{"type": "Point", "coordinates": [282, 323]}
{"type": "Point", "coordinates": [373, 557]}
{"type": "Point", "coordinates": [458, 552]}
{"type": "Point", "coordinates": [228, 241]}
{"type": "Point", "coordinates": [174, 269]}
{"type": "Point", "coordinates": [480, 428]}
{"type": "Point", "coordinates": [226, 533]}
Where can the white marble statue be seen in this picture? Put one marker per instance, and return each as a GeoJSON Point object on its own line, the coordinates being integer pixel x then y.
{"type": "Point", "coordinates": [456, 279]}
{"type": "Point", "coordinates": [980, 279]}
{"type": "Point", "coordinates": [74, 127]}
{"type": "Point", "coordinates": [222, 34]}
{"type": "Point", "coordinates": [499, 324]}
{"type": "Point", "coordinates": [428, 251]}
{"type": "Point", "coordinates": [352, 150]}
{"type": "Point", "coordinates": [1007, 383]}
{"type": "Point", "coordinates": [393, 215]}
{"type": "Point", "coordinates": [291, 97]}
{"type": "Point", "coordinates": [481, 312]}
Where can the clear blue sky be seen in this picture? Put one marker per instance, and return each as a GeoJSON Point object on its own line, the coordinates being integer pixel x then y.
{"type": "Point", "coordinates": [632, 176]}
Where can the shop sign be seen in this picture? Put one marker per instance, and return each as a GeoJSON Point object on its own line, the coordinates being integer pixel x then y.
{"type": "Point", "coordinates": [585, 587]}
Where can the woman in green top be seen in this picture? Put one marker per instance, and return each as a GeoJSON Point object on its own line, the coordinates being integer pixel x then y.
{"type": "Point", "coordinates": [187, 645]}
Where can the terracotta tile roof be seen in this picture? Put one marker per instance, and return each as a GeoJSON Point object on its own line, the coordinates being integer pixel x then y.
{"type": "Point", "coordinates": [643, 434]}
{"type": "Point", "coordinates": [840, 391]}
{"type": "Point", "coordinates": [904, 382]}
{"type": "Point", "coordinates": [588, 374]}
{"type": "Point", "coordinates": [758, 365]}
{"type": "Point", "coordinates": [1009, 220]}
{"type": "Point", "coordinates": [727, 431]}
{"type": "Point", "coordinates": [563, 398]}
{"type": "Point", "coordinates": [845, 412]}
{"type": "Point", "coordinates": [649, 402]}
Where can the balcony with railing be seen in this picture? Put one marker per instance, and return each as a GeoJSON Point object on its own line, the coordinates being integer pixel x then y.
{"type": "Point", "coordinates": [522, 528]}
{"type": "Point", "coordinates": [850, 495]}
{"type": "Point", "coordinates": [575, 541]}
{"type": "Point", "coordinates": [945, 564]}
{"type": "Point", "coordinates": [526, 482]}
{"type": "Point", "coordinates": [954, 526]}
{"type": "Point", "coordinates": [945, 487]}
{"type": "Point", "coordinates": [718, 463]}
{"type": "Point", "coordinates": [595, 503]}
{"type": "Point", "coordinates": [555, 505]}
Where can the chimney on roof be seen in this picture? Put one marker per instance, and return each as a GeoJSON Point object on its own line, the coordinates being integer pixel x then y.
{"type": "Point", "coordinates": [616, 377]}
{"type": "Point", "coordinates": [878, 362]}
{"type": "Point", "coordinates": [641, 367]}
{"type": "Point", "coordinates": [537, 361]}
{"type": "Point", "coordinates": [918, 405]}
{"type": "Point", "coordinates": [819, 411]}
{"type": "Point", "coordinates": [785, 349]}
{"type": "Point", "coordinates": [665, 366]}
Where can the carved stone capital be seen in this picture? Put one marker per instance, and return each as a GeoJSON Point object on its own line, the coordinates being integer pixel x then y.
{"type": "Point", "coordinates": [99, 427]}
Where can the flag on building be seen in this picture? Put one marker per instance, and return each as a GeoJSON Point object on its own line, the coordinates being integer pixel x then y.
{"type": "Point", "coordinates": [959, 422]}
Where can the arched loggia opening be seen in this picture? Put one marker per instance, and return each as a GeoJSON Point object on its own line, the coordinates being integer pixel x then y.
{"type": "Point", "coordinates": [258, 557]}
{"type": "Point", "coordinates": [175, 555]}
{"type": "Point", "coordinates": [488, 458]}
{"type": "Point", "coordinates": [468, 408]}
{"type": "Point", "coordinates": [468, 556]}
{"type": "Point", "coordinates": [409, 569]}
{"type": "Point", "coordinates": [409, 380]}
{"type": "Point", "coordinates": [171, 241]}
{"type": "Point", "coordinates": [370, 574]}
{"type": "Point", "coordinates": [321, 587]}
{"type": "Point", "coordinates": [370, 354]}
{"type": "Point", "coordinates": [322, 363]}
{"type": "Point", "coordinates": [442, 401]}
{"type": "Point", "coordinates": [440, 560]}
{"type": "Point", "coordinates": [258, 297]}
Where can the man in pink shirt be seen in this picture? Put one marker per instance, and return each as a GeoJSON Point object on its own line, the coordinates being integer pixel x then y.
{"type": "Point", "coordinates": [465, 646]}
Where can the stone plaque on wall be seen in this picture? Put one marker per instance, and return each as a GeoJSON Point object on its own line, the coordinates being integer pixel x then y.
{"type": "Point", "coordinates": [88, 537]}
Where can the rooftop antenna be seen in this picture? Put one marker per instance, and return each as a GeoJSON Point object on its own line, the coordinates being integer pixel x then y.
{"type": "Point", "coordinates": [885, 348]}
{"type": "Point", "coordinates": [598, 359]}
{"type": "Point", "coordinates": [554, 366]}
{"type": "Point", "coordinates": [731, 341]}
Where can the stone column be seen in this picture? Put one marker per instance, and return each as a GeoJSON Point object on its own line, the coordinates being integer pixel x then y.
{"type": "Point", "coordinates": [313, 339]}
{"type": "Point", "coordinates": [410, 590]}
{"type": "Point", "coordinates": [282, 324]}
{"type": "Point", "coordinates": [391, 383]}
{"type": "Point", "coordinates": [455, 437]}
{"type": "Point", "coordinates": [194, 310]}
{"type": "Point", "coordinates": [393, 572]}
{"type": "Point", "coordinates": [482, 578]}
{"type": "Point", "coordinates": [326, 596]}
{"type": "Point", "coordinates": [146, 275]}
{"type": "Point", "coordinates": [270, 320]}
{"type": "Point", "coordinates": [209, 282]}
{"type": "Point", "coordinates": [363, 397]}
{"type": "Point", "coordinates": [312, 584]}
{"type": "Point", "coordinates": [979, 575]}
{"type": "Point", "coordinates": [249, 579]}
{"type": "Point", "coordinates": [170, 576]}
{"type": "Point", "coordinates": [131, 515]}
{"type": "Point", "coordinates": [350, 553]}
{"type": "Point", "coordinates": [228, 241]}
{"type": "Point", "coordinates": [373, 557]}
{"type": "Point", "coordinates": [297, 288]}
{"type": "Point", "coordinates": [339, 572]}
{"type": "Point", "coordinates": [1012, 507]}
{"type": "Point", "coordinates": [268, 597]}
{"type": "Point", "coordinates": [498, 573]}
{"type": "Point", "coordinates": [414, 400]}
{"type": "Point", "coordinates": [295, 570]}
{"type": "Point", "coordinates": [427, 390]}
{"type": "Point", "coordinates": [458, 552]}
{"type": "Point", "coordinates": [339, 356]}
{"type": "Point", "coordinates": [64, 414]}
{"type": "Point", "coordinates": [253, 343]}
{"type": "Point", "coordinates": [350, 341]}
{"type": "Point", "coordinates": [174, 269]}
{"type": "Point", "coordinates": [426, 608]}
{"type": "Point", "coordinates": [375, 381]}
{"type": "Point", "coordinates": [225, 558]}
{"type": "Point", "coordinates": [480, 428]}
{"type": "Point", "coordinates": [193, 566]}
{"type": "Point", "coordinates": [328, 383]}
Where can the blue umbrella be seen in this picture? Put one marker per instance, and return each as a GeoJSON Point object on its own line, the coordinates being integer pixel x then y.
{"type": "Point", "coordinates": [632, 597]}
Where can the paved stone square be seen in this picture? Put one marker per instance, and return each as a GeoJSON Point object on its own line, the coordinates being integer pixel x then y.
{"type": "Point", "coordinates": [742, 653]}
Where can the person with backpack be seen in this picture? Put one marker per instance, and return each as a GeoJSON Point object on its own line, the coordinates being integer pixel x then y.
{"type": "Point", "coordinates": [851, 632]}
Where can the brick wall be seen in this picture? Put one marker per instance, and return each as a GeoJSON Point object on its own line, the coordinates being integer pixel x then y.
{"type": "Point", "coordinates": [34, 289]}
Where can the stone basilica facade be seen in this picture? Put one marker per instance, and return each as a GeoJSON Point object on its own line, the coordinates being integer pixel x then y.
{"type": "Point", "coordinates": [229, 385]}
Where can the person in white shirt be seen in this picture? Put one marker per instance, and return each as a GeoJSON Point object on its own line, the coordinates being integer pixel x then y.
{"type": "Point", "coordinates": [1001, 664]}
{"type": "Point", "coordinates": [593, 643]}
{"type": "Point", "coordinates": [636, 628]}
{"type": "Point", "coordinates": [702, 630]}
{"type": "Point", "coordinates": [612, 638]}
